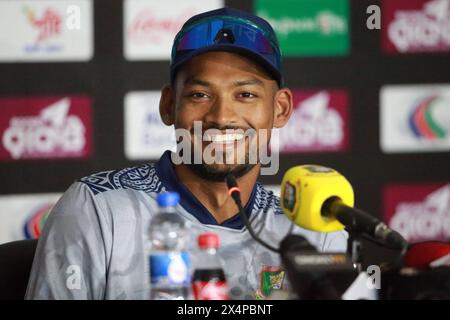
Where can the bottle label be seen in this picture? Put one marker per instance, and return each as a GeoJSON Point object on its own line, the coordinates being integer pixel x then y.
{"type": "Point", "coordinates": [169, 268]}
{"type": "Point", "coordinates": [210, 290]}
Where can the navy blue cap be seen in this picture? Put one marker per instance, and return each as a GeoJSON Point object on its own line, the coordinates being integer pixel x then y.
{"type": "Point", "coordinates": [271, 62]}
{"type": "Point", "coordinates": [168, 199]}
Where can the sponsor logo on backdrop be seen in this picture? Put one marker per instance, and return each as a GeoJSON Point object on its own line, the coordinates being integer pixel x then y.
{"type": "Point", "coordinates": [146, 136]}
{"type": "Point", "coordinates": [319, 122]}
{"type": "Point", "coordinates": [47, 26]}
{"type": "Point", "coordinates": [46, 30]}
{"type": "Point", "coordinates": [415, 118]}
{"type": "Point", "coordinates": [33, 225]}
{"type": "Point", "coordinates": [318, 27]}
{"type": "Point", "coordinates": [150, 26]}
{"type": "Point", "coordinates": [411, 26]}
{"type": "Point", "coordinates": [24, 216]}
{"type": "Point", "coordinates": [419, 212]}
{"type": "Point", "coordinates": [423, 122]}
{"type": "Point", "coordinates": [45, 128]}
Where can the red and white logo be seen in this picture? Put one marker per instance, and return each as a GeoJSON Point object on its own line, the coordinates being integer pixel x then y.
{"type": "Point", "coordinates": [416, 26]}
{"type": "Point", "coordinates": [47, 26]}
{"type": "Point", "coordinates": [150, 26]}
{"type": "Point", "coordinates": [46, 30]}
{"type": "Point", "coordinates": [210, 290]}
{"type": "Point", "coordinates": [419, 212]}
{"type": "Point", "coordinates": [45, 127]}
{"type": "Point", "coordinates": [319, 123]}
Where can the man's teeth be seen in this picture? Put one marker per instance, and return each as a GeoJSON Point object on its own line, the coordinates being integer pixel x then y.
{"type": "Point", "coordinates": [224, 138]}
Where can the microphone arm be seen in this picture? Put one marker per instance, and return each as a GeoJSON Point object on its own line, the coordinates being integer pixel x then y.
{"type": "Point", "coordinates": [358, 221]}
{"type": "Point", "coordinates": [235, 193]}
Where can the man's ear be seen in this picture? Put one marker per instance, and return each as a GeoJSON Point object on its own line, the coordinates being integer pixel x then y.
{"type": "Point", "coordinates": [167, 105]}
{"type": "Point", "coordinates": [283, 107]}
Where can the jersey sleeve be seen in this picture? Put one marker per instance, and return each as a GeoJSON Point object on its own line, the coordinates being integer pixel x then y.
{"type": "Point", "coordinates": [71, 256]}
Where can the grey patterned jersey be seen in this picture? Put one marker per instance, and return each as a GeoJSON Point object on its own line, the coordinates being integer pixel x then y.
{"type": "Point", "coordinates": [93, 243]}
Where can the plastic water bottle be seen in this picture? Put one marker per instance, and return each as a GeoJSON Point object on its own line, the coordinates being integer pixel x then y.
{"type": "Point", "coordinates": [168, 259]}
{"type": "Point", "coordinates": [209, 282]}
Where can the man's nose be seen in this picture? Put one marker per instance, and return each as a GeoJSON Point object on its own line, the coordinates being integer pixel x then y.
{"type": "Point", "coordinates": [221, 113]}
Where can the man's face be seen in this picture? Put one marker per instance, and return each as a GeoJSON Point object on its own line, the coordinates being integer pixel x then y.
{"type": "Point", "coordinates": [231, 94]}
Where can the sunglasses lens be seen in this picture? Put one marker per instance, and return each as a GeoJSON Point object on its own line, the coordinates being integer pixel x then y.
{"type": "Point", "coordinates": [225, 32]}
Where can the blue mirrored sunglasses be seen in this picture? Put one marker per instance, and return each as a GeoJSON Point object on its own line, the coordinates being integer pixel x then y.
{"type": "Point", "coordinates": [227, 30]}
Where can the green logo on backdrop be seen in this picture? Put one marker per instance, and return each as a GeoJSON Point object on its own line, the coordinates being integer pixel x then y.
{"type": "Point", "coordinates": [308, 27]}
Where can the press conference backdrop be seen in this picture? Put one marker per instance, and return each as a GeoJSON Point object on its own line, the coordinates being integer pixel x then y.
{"type": "Point", "coordinates": [80, 81]}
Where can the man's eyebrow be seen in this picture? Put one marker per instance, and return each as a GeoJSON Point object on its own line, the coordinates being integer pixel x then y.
{"type": "Point", "coordinates": [239, 83]}
{"type": "Point", "coordinates": [196, 81]}
{"type": "Point", "coordinates": [252, 81]}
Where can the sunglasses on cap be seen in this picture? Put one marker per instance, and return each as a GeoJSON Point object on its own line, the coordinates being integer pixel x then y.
{"type": "Point", "coordinates": [226, 30]}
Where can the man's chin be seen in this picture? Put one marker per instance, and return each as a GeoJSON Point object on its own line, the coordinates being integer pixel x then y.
{"type": "Point", "coordinates": [218, 172]}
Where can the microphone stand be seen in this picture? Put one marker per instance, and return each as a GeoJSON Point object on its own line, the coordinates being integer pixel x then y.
{"type": "Point", "coordinates": [354, 248]}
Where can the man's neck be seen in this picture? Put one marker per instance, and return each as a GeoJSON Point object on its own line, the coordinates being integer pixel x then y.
{"type": "Point", "coordinates": [214, 195]}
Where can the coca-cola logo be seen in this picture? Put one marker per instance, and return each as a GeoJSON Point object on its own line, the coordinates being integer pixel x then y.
{"type": "Point", "coordinates": [415, 26]}
{"type": "Point", "coordinates": [210, 290]}
{"type": "Point", "coordinates": [58, 130]}
{"type": "Point", "coordinates": [148, 26]}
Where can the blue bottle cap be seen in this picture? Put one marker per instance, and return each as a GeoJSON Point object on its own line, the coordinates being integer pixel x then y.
{"type": "Point", "coordinates": [168, 199]}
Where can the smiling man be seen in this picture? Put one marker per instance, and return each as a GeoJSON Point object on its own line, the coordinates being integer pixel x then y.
{"type": "Point", "coordinates": [229, 95]}
{"type": "Point", "coordinates": [226, 95]}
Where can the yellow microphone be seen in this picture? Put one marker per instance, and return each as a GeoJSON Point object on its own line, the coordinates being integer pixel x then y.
{"type": "Point", "coordinates": [304, 190]}
{"type": "Point", "coordinates": [321, 199]}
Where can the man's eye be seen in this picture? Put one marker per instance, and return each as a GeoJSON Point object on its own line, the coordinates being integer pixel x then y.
{"type": "Point", "coordinates": [247, 95]}
{"type": "Point", "coordinates": [198, 95]}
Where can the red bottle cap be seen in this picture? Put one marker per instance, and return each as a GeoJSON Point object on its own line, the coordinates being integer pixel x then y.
{"type": "Point", "coordinates": [208, 240]}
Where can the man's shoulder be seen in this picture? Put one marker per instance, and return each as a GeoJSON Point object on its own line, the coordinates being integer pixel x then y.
{"type": "Point", "coordinates": [141, 178]}
{"type": "Point", "coordinates": [266, 200]}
